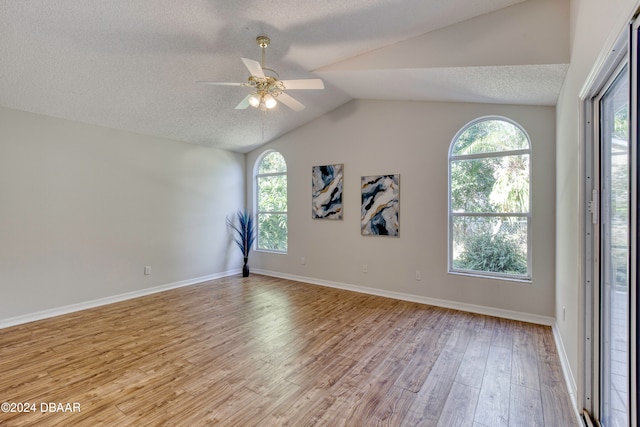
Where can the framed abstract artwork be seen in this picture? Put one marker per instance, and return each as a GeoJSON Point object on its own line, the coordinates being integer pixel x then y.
{"type": "Point", "coordinates": [326, 191]}
{"type": "Point", "coordinates": [380, 205]}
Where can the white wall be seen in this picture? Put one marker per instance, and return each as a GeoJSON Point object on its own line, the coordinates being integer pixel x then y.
{"type": "Point", "coordinates": [411, 139]}
{"type": "Point", "coordinates": [595, 26]}
{"type": "Point", "coordinates": [85, 208]}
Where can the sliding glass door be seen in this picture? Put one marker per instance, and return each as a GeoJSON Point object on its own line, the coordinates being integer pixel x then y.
{"type": "Point", "coordinates": [614, 172]}
{"type": "Point", "coordinates": [610, 358]}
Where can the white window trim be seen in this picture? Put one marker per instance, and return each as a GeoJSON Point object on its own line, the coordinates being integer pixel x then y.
{"type": "Point", "coordinates": [475, 273]}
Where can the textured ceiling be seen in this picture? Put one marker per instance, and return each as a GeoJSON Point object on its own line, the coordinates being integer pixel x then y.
{"type": "Point", "coordinates": [133, 65]}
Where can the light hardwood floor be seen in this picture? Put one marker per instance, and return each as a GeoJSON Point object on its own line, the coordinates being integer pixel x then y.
{"type": "Point", "coordinates": [262, 351]}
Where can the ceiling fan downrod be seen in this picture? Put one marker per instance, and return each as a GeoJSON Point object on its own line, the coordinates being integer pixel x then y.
{"type": "Point", "coordinates": [263, 42]}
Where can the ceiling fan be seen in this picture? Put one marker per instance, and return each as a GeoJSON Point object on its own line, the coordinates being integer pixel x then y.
{"type": "Point", "coordinates": [269, 89]}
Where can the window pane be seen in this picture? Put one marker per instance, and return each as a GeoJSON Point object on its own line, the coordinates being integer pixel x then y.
{"type": "Point", "coordinates": [490, 136]}
{"type": "Point", "coordinates": [490, 185]}
{"type": "Point", "coordinates": [272, 163]}
{"type": "Point", "coordinates": [471, 185]}
{"type": "Point", "coordinates": [490, 244]}
{"type": "Point", "coordinates": [272, 193]}
{"type": "Point", "coordinates": [272, 231]}
{"type": "Point", "coordinates": [615, 165]}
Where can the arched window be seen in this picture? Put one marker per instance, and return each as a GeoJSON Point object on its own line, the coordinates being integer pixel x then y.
{"type": "Point", "coordinates": [271, 201]}
{"type": "Point", "coordinates": [489, 200]}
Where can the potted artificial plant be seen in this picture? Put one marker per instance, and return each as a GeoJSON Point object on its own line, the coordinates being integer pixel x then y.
{"type": "Point", "coordinates": [244, 233]}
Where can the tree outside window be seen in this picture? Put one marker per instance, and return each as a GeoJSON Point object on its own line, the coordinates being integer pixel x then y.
{"type": "Point", "coordinates": [271, 185]}
{"type": "Point", "coordinates": [489, 205]}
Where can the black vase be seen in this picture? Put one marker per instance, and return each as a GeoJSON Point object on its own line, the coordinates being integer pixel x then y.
{"type": "Point", "coordinates": [245, 268]}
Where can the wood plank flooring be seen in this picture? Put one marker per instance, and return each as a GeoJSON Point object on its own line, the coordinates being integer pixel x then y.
{"type": "Point", "coordinates": [262, 351]}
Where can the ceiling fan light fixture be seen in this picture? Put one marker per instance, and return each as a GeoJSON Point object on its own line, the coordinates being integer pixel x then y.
{"type": "Point", "coordinates": [254, 100]}
{"type": "Point", "coordinates": [269, 101]}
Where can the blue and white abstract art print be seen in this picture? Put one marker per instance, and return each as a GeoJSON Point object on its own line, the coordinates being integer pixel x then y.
{"type": "Point", "coordinates": [380, 205]}
{"type": "Point", "coordinates": [326, 192]}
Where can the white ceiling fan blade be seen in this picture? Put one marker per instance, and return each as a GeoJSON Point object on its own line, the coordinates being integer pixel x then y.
{"type": "Point", "coordinates": [290, 102]}
{"type": "Point", "coordinates": [254, 67]}
{"type": "Point", "coordinates": [303, 84]}
{"type": "Point", "coordinates": [244, 103]}
{"type": "Point", "coordinates": [220, 83]}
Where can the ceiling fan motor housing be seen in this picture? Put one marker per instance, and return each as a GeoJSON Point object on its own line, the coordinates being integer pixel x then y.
{"type": "Point", "coordinates": [263, 41]}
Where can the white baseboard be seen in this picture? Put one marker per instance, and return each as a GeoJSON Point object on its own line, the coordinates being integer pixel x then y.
{"type": "Point", "coordinates": [569, 380]}
{"type": "Point", "coordinates": [489, 311]}
{"type": "Point", "coordinates": [31, 317]}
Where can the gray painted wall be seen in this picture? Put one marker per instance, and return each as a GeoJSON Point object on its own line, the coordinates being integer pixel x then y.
{"type": "Point", "coordinates": [411, 139]}
{"type": "Point", "coordinates": [85, 208]}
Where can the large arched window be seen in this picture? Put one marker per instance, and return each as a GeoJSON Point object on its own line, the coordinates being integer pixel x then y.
{"type": "Point", "coordinates": [489, 200]}
{"type": "Point", "coordinates": [271, 201]}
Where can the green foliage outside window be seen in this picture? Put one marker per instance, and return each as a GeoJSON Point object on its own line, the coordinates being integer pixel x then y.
{"type": "Point", "coordinates": [621, 123]}
{"type": "Point", "coordinates": [493, 245]}
{"type": "Point", "coordinates": [272, 163]}
{"type": "Point", "coordinates": [272, 193]}
{"type": "Point", "coordinates": [272, 232]}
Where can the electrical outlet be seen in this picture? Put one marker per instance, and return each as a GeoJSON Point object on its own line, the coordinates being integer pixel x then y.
{"type": "Point", "coordinates": [365, 268]}
{"type": "Point", "coordinates": [418, 275]}
{"type": "Point", "coordinates": [564, 313]}
{"type": "Point", "coordinates": [303, 261]}
{"type": "Point", "coordinates": [147, 270]}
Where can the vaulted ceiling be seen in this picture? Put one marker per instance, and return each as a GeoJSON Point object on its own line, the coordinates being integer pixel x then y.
{"type": "Point", "coordinates": [133, 65]}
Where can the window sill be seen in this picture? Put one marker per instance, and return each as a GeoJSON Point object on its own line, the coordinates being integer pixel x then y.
{"type": "Point", "coordinates": [271, 251]}
{"type": "Point", "coordinates": [491, 276]}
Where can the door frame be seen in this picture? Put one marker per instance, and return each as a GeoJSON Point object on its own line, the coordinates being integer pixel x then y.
{"type": "Point", "coordinates": [623, 52]}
